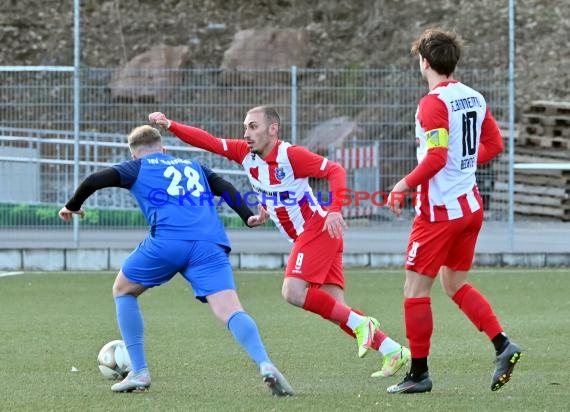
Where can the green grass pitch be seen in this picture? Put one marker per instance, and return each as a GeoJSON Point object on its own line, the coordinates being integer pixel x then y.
{"type": "Point", "coordinates": [53, 322]}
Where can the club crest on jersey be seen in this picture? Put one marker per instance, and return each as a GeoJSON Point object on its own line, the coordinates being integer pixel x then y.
{"type": "Point", "coordinates": [279, 173]}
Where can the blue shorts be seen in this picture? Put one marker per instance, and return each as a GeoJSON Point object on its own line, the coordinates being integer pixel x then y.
{"type": "Point", "coordinates": [205, 265]}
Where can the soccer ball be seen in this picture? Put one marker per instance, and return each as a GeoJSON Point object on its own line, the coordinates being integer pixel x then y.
{"type": "Point", "coordinates": [113, 359]}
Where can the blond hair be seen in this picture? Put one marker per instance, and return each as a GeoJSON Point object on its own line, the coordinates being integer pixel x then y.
{"type": "Point", "coordinates": [144, 136]}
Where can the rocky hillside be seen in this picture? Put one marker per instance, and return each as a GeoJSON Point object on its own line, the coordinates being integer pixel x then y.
{"type": "Point", "coordinates": [342, 33]}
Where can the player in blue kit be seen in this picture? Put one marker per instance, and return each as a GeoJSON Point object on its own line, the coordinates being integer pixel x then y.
{"type": "Point", "coordinates": [186, 236]}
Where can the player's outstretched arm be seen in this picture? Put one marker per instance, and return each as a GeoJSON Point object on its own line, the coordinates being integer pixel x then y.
{"type": "Point", "coordinates": [159, 119]}
{"type": "Point", "coordinates": [107, 177]}
{"type": "Point", "coordinates": [232, 149]}
{"type": "Point", "coordinates": [66, 214]}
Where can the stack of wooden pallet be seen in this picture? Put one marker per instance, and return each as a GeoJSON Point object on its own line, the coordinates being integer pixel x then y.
{"type": "Point", "coordinates": [547, 125]}
{"type": "Point", "coordinates": [543, 137]}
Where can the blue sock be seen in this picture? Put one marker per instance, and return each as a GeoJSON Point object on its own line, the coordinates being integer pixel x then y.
{"type": "Point", "coordinates": [245, 331]}
{"type": "Point", "coordinates": [131, 325]}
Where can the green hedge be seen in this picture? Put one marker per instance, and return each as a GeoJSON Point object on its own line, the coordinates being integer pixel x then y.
{"type": "Point", "coordinates": [27, 215]}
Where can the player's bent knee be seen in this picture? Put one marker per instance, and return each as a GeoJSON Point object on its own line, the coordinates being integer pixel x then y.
{"type": "Point", "coordinates": [224, 304]}
{"type": "Point", "coordinates": [293, 296]}
{"type": "Point", "coordinates": [124, 286]}
{"type": "Point", "coordinates": [449, 290]}
{"type": "Point", "coordinates": [451, 282]}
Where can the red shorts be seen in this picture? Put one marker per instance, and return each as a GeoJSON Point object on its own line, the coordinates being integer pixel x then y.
{"type": "Point", "coordinates": [316, 257]}
{"type": "Point", "coordinates": [451, 243]}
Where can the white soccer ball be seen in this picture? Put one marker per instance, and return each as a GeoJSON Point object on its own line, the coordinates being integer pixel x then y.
{"type": "Point", "coordinates": [114, 361]}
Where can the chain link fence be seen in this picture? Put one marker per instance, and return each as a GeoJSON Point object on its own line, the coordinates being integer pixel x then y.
{"type": "Point", "coordinates": [363, 119]}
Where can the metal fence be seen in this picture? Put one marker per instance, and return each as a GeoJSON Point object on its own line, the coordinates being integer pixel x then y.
{"type": "Point", "coordinates": [362, 118]}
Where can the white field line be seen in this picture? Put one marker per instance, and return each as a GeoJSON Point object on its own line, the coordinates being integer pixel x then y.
{"type": "Point", "coordinates": [6, 274]}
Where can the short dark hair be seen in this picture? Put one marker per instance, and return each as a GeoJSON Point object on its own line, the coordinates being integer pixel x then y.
{"type": "Point", "coordinates": [270, 114]}
{"type": "Point", "coordinates": [442, 49]}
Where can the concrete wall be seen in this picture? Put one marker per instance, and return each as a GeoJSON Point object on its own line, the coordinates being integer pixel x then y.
{"type": "Point", "coordinates": [111, 259]}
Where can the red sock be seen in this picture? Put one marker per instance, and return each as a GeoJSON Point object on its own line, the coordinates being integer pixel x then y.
{"type": "Point", "coordinates": [349, 331]}
{"type": "Point", "coordinates": [377, 340]}
{"type": "Point", "coordinates": [419, 325]}
{"type": "Point", "coordinates": [321, 303]}
{"type": "Point", "coordinates": [478, 310]}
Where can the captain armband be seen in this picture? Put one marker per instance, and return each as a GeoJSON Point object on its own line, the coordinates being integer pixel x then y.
{"type": "Point", "coordinates": [437, 138]}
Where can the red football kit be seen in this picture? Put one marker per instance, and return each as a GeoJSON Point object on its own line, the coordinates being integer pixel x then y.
{"type": "Point", "coordinates": [281, 184]}
{"type": "Point", "coordinates": [455, 131]}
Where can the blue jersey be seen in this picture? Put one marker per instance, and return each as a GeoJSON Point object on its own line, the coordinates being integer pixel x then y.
{"type": "Point", "coordinates": [174, 196]}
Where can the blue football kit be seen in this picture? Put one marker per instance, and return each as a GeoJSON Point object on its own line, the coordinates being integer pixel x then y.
{"type": "Point", "coordinates": [186, 234]}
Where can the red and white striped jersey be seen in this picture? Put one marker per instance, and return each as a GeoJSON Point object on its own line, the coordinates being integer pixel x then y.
{"type": "Point", "coordinates": [450, 120]}
{"type": "Point", "coordinates": [280, 181]}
